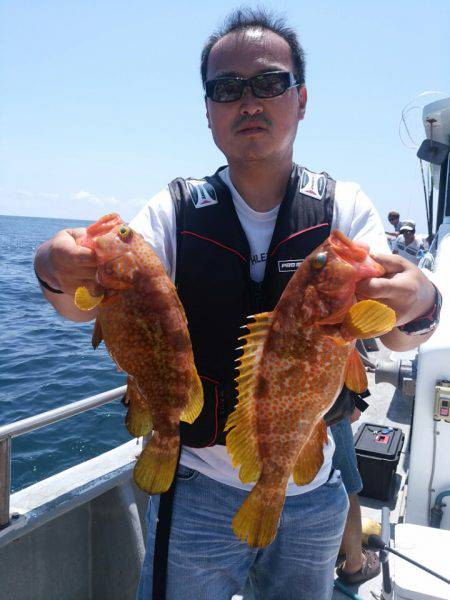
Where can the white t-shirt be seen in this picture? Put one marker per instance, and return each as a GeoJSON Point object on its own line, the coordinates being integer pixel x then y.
{"type": "Point", "coordinates": [354, 214]}
{"type": "Point", "coordinates": [408, 251]}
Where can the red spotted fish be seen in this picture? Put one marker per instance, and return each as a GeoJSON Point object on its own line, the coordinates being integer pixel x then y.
{"type": "Point", "coordinates": [295, 362]}
{"type": "Point", "coordinates": [143, 324]}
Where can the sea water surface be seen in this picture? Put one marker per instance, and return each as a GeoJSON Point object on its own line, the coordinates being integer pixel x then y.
{"type": "Point", "coordinates": [46, 362]}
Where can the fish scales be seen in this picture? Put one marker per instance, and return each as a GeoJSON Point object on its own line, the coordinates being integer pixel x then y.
{"type": "Point", "coordinates": [290, 375]}
{"type": "Point", "coordinates": [143, 325]}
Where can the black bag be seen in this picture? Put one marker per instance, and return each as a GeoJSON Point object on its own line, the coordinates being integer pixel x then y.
{"type": "Point", "coordinates": [344, 405]}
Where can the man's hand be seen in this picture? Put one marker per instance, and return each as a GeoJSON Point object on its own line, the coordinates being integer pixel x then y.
{"type": "Point", "coordinates": [404, 288]}
{"type": "Point", "coordinates": [65, 265]}
{"type": "Point", "coordinates": [69, 264]}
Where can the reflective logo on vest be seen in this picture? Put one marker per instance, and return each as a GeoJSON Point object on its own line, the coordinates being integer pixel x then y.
{"type": "Point", "coordinates": [312, 184]}
{"type": "Point", "coordinates": [202, 193]}
{"type": "Point", "coordinates": [286, 266]}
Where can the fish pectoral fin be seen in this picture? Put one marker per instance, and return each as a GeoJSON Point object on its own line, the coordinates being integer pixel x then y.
{"type": "Point", "coordinates": [355, 373]}
{"type": "Point", "coordinates": [139, 419]}
{"type": "Point", "coordinates": [84, 300]}
{"type": "Point", "coordinates": [310, 458]}
{"type": "Point", "coordinates": [366, 319]}
{"type": "Point", "coordinates": [195, 399]}
{"type": "Point", "coordinates": [97, 334]}
{"type": "Point", "coordinates": [242, 441]}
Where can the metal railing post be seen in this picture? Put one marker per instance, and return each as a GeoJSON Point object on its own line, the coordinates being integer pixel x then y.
{"type": "Point", "coordinates": [5, 480]}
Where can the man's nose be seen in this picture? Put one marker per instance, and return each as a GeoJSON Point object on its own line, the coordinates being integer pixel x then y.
{"type": "Point", "coordinates": [250, 104]}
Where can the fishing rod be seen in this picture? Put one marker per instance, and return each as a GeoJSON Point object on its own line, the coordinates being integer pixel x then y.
{"type": "Point", "coordinates": [376, 542]}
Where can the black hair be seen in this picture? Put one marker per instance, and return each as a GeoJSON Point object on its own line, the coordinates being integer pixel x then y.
{"type": "Point", "coordinates": [243, 19]}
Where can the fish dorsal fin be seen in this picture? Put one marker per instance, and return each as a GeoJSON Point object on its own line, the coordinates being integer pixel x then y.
{"type": "Point", "coordinates": [310, 458]}
{"type": "Point", "coordinates": [355, 373]}
{"type": "Point", "coordinates": [368, 318]}
{"type": "Point", "coordinates": [242, 440]}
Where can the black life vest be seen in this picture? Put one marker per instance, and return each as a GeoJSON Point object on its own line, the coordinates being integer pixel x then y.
{"type": "Point", "coordinates": [213, 277]}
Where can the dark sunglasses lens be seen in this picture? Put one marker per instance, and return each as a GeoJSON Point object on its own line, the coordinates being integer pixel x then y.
{"type": "Point", "coordinates": [270, 84]}
{"type": "Point", "coordinates": [227, 90]}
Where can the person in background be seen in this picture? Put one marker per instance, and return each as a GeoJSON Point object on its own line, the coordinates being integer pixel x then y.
{"type": "Point", "coordinates": [407, 245]}
{"type": "Point", "coordinates": [355, 564]}
{"type": "Point", "coordinates": [394, 220]}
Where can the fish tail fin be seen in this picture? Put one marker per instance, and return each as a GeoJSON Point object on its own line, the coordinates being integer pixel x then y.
{"type": "Point", "coordinates": [257, 520]}
{"type": "Point", "coordinates": [155, 468]}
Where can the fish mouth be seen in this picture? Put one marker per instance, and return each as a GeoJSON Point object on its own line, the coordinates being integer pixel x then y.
{"type": "Point", "coordinates": [348, 249]}
{"type": "Point", "coordinates": [357, 254]}
{"type": "Point", "coordinates": [101, 227]}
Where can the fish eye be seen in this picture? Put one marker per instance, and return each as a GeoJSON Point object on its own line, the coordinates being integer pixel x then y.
{"type": "Point", "coordinates": [125, 233]}
{"type": "Point", "coordinates": [319, 261]}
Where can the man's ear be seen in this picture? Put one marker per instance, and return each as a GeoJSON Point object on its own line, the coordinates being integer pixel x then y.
{"type": "Point", "coordinates": [302, 99]}
{"type": "Point", "coordinates": [207, 113]}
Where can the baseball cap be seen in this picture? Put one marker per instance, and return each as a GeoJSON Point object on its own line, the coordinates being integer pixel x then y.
{"type": "Point", "coordinates": [407, 226]}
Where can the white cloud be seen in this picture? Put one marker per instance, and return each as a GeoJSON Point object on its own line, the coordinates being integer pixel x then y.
{"type": "Point", "coordinates": [81, 195]}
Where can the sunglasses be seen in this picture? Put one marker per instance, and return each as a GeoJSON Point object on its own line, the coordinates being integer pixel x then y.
{"type": "Point", "coordinates": [265, 85]}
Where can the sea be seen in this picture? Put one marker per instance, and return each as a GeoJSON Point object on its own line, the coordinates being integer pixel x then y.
{"type": "Point", "coordinates": [47, 362]}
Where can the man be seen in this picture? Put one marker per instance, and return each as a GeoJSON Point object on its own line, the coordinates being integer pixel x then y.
{"type": "Point", "coordinates": [407, 245]}
{"type": "Point", "coordinates": [230, 241]}
{"type": "Point", "coordinates": [394, 220]}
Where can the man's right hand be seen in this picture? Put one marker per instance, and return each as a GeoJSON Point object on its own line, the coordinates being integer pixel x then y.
{"type": "Point", "coordinates": [65, 266]}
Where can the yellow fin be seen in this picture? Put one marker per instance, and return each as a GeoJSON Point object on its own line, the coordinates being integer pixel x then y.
{"type": "Point", "coordinates": [84, 301]}
{"type": "Point", "coordinates": [256, 522]}
{"type": "Point", "coordinates": [155, 468]}
{"type": "Point", "coordinates": [195, 399]}
{"type": "Point", "coordinates": [355, 374]}
{"type": "Point", "coordinates": [138, 420]}
{"type": "Point", "coordinates": [242, 442]}
{"type": "Point", "coordinates": [310, 458]}
{"type": "Point", "coordinates": [368, 318]}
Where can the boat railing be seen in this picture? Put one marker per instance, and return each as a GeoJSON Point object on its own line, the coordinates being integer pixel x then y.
{"type": "Point", "coordinates": [11, 430]}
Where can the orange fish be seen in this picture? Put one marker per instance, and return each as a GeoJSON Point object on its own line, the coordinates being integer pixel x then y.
{"type": "Point", "coordinates": [143, 325]}
{"type": "Point", "coordinates": [295, 362]}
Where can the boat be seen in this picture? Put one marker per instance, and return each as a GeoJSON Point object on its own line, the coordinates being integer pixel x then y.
{"type": "Point", "coordinates": [80, 534]}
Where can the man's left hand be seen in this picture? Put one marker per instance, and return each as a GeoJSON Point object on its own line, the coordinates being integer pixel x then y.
{"type": "Point", "coordinates": [403, 287]}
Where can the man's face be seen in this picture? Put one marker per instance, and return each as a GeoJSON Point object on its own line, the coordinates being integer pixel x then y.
{"type": "Point", "coordinates": [253, 129]}
{"type": "Point", "coordinates": [408, 235]}
{"type": "Point", "coordinates": [394, 221]}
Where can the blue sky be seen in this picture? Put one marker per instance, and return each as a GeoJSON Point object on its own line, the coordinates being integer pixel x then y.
{"type": "Point", "coordinates": [101, 101]}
